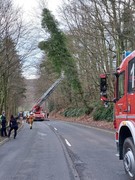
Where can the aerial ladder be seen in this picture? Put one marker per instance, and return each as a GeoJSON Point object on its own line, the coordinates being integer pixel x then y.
{"type": "Point", "coordinates": [37, 108]}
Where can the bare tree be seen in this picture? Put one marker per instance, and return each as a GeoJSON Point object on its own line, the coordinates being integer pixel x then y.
{"type": "Point", "coordinates": [10, 61]}
{"type": "Point", "coordinates": [98, 31]}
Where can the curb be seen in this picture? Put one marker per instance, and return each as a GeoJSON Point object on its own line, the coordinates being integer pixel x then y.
{"type": "Point", "coordinates": [7, 139]}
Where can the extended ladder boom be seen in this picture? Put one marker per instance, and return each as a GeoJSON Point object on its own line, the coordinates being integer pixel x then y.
{"type": "Point", "coordinates": [49, 91]}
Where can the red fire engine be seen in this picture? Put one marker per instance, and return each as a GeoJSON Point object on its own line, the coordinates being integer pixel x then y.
{"type": "Point", "coordinates": [124, 111]}
{"type": "Point", "coordinates": [37, 108]}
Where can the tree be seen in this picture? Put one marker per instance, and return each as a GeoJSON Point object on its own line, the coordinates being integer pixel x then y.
{"type": "Point", "coordinates": [10, 64]}
{"type": "Point", "coordinates": [98, 30]}
{"type": "Point", "coordinates": [58, 54]}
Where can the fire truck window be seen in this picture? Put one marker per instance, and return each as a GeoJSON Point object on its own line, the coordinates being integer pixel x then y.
{"type": "Point", "coordinates": [131, 76]}
{"type": "Point", "coordinates": [121, 85]}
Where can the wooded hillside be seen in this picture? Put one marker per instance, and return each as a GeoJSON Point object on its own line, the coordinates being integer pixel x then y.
{"type": "Point", "coordinates": [90, 38]}
{"type": "Point", "coordinates": [93, 38]}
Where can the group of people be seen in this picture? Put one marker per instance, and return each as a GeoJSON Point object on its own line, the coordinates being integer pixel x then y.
{"type": "Point", "coordinates": [13, 125]}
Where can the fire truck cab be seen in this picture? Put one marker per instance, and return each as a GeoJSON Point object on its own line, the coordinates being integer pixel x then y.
{"type": "Point", "coordinates": [124, 111]}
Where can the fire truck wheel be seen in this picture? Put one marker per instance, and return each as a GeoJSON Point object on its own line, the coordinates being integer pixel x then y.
{"type": "Point", "coordinates": [129, 157]}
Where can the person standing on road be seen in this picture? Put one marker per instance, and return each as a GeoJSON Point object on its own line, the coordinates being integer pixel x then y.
{"type": "Point", "coordinates": [31, 118]}
{"type": "Point", "coordinates": [20, 116]}
{"type": "Point", "coordinates": [13, 125]}
{"type": "Point", "coordinates": [46, 114]}
{"type": "Point", "coordinates": [3, 125]}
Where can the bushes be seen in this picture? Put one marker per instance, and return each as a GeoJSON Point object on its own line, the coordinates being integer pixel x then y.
{"type": "Point", "coordinates": [102, 113]}
{"type": "Point", "coordinates": [96, 110]}
{"type": "Point", "coordinates": [76, 112]}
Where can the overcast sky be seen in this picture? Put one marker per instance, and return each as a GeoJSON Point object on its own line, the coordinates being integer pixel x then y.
{"type": "Point", "coordinates": [29, 8]}
{"type": "Point", "coordinates": [29, 5]}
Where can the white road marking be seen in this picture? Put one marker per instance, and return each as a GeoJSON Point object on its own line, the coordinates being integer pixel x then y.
{"type": "Point", "coordinates": [42, 134]}
{"type": "Point", "coordinates": [55, 129]}
{"type": "Point", "coordinates": [67, 142]}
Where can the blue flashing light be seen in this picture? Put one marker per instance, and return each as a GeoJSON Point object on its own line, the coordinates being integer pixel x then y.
{"type": "Point", "coordinates": [126, 53]}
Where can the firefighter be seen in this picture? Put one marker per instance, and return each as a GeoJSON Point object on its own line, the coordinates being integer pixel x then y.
{"type": "Point", "coordinates": [31, 118]}
{"type": "Point", "coordinates": [47, 113]}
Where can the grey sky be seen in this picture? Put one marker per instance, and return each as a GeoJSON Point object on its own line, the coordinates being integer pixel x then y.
{"type": "Point", "coordinates": [29, 8]}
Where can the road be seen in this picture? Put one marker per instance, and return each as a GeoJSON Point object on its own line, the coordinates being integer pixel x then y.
{"type": "Point", "coordinates": [55, 150]}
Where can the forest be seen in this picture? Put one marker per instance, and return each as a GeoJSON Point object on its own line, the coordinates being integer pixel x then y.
{"type": "Point", "coordinates": [89, 39]}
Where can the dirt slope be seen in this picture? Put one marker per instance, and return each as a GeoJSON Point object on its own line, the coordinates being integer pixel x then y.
{"type": "Point", "coordinates": [84, 120]}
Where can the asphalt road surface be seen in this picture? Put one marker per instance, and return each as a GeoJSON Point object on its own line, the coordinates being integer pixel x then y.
{"type": "Point", "coordinates": [55, 150]}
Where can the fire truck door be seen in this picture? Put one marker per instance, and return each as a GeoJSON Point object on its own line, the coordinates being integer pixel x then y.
{"type": "Point", "coordinates": [121, 105]}
{"type": "Point", "coordinates": [131, 89]}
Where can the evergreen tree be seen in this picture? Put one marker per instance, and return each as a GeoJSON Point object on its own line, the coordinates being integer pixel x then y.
{"type": "Point", "coordinates": [57, 52]}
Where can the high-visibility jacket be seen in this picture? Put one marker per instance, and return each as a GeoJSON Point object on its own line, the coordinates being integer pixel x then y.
{"type": "Point", "coordinates": [31, 118]}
